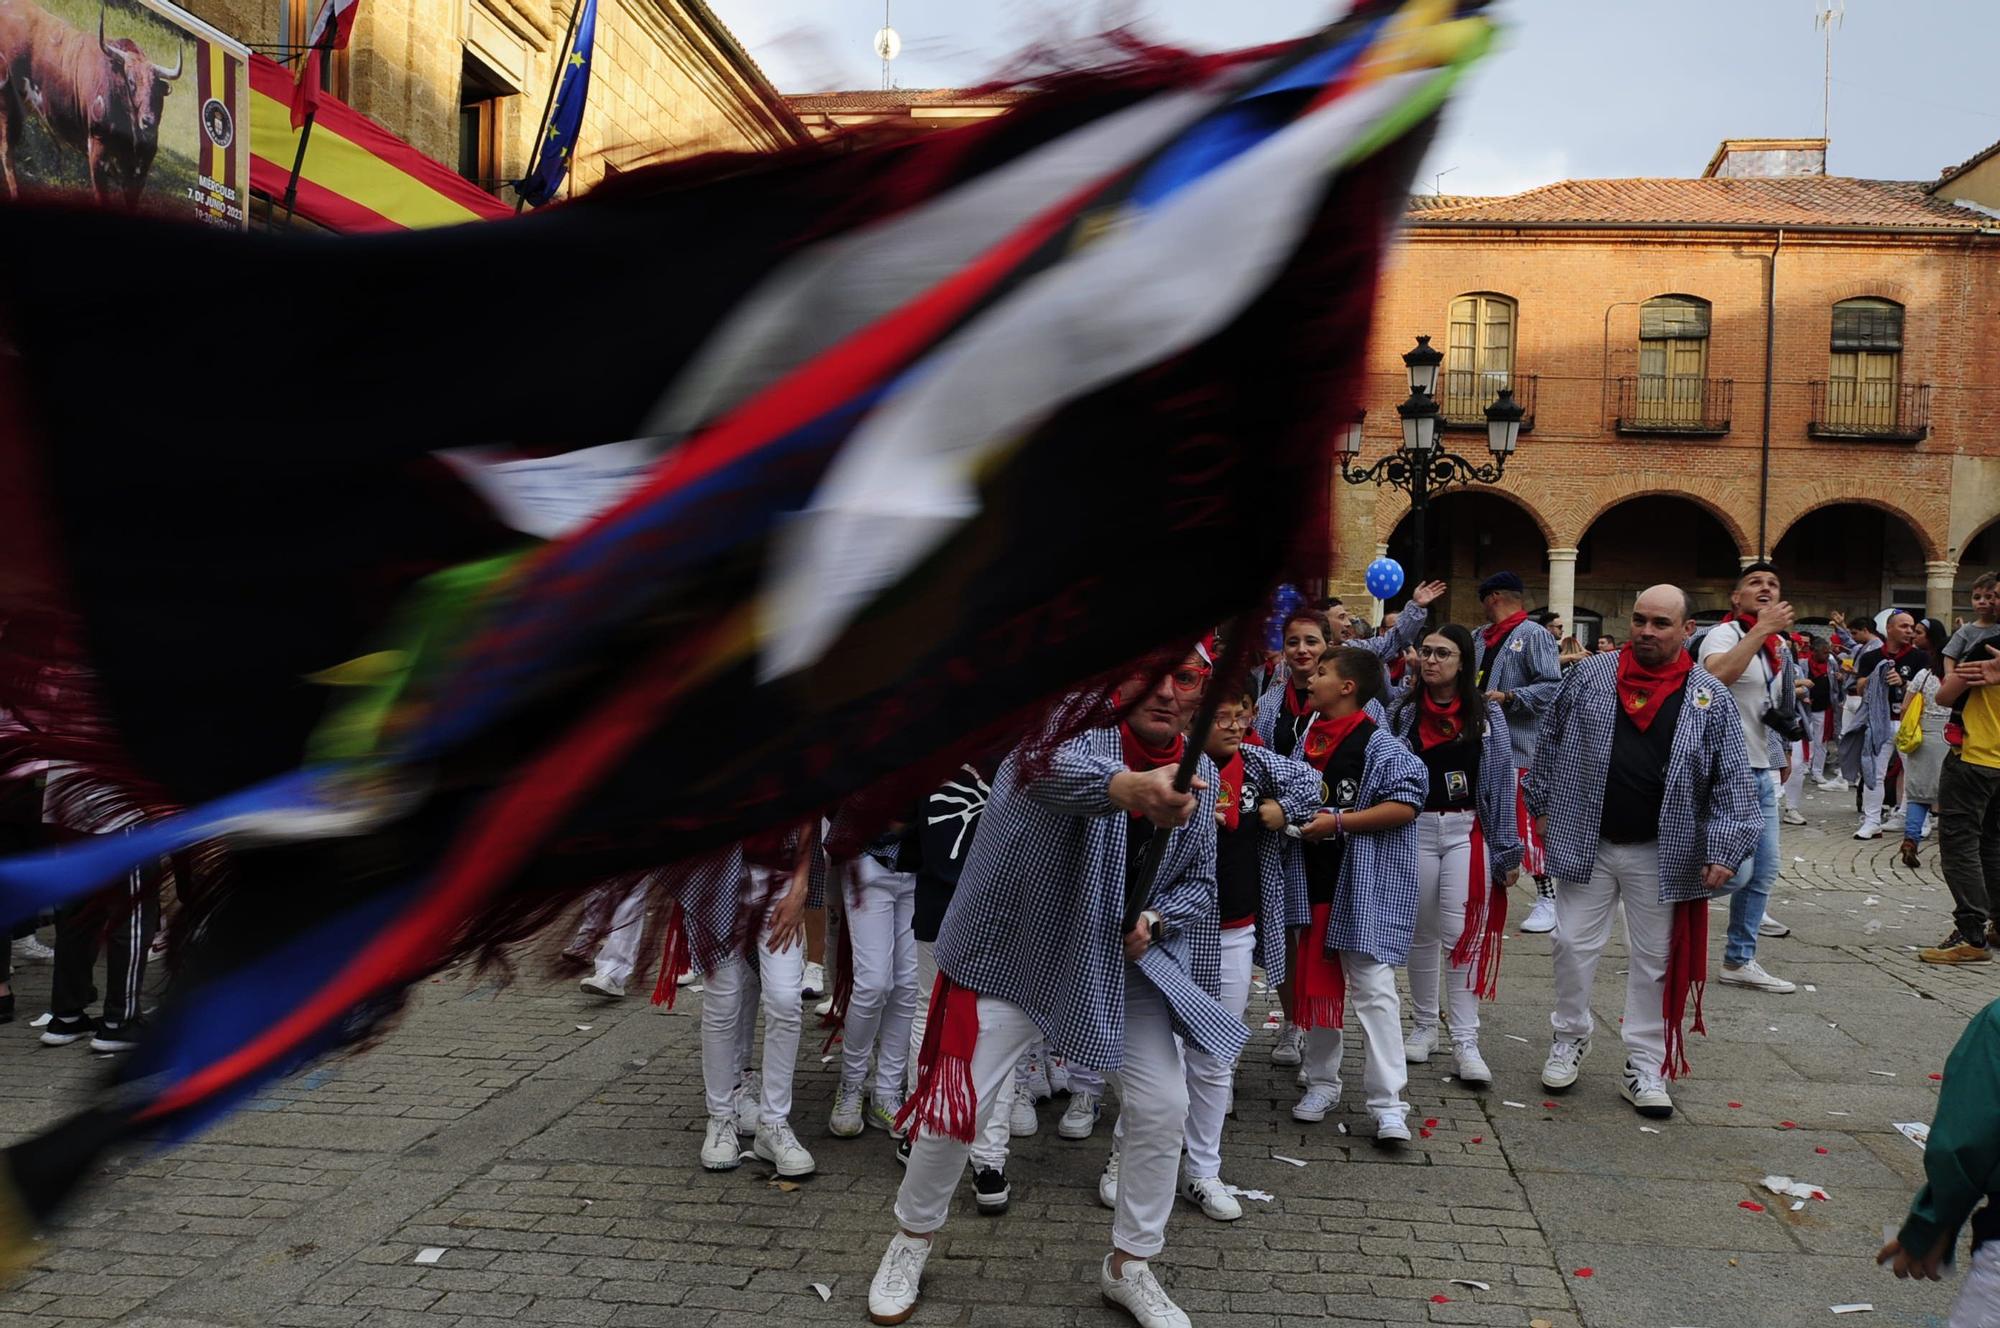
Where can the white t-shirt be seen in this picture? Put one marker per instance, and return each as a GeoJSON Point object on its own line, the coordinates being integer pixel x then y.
{"type": "Point", "coordinates": [1751, 690]}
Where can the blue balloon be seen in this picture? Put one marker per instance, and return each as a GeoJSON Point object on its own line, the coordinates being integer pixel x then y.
{"type": "Point", "coordinates": [1287, 599]}
{"type": "Point", "coordinates": [1384, 577]}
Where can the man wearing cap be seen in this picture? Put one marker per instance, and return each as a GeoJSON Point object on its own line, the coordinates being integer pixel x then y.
{"type": "Point", "coordinates": [1519, 670]}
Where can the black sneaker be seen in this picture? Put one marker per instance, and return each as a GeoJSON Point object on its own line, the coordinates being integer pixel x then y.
{"type": "Point", "coordinates": [7, 1008]}
{"type": "Point", "coordinates": [61, 1030]}
{"type": "Point", "coordinates": [118, 1037]}
{"type": "Point", "coordinates": [989, 1186]}
{"type": "Point", "coordinates": [903, 1146]}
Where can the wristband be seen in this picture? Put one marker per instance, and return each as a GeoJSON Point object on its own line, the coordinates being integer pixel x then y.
{"type": "Point", "coordinates": [1338, 828]}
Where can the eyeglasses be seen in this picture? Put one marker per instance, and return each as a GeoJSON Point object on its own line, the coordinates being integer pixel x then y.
{"type": "Point", "coordinates": [1188, 681]}
{"type": "Point", "coordinates": [1437, 652]}
{"type": "Point", "coordinates": [1232, 721]}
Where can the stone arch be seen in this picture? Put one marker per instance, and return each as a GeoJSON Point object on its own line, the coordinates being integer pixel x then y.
{"type": "Point", "coordinates": [1811, 497]}
{"type": "Point", "coordinates": [1711, 495]}
{"type": "Point", "coordinates": [1392, 505]}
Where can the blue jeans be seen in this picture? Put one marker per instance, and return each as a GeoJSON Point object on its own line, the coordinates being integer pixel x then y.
{"type": "Point", "coordinates": [1753, 880]}
{"type": "Point", "coordinates": [1913, 820]}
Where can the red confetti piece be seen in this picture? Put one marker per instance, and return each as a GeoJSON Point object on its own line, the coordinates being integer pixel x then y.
{"type": "Point", "coordinates": [1423, 1133]}
{"type": "Point", "coordinates": [1820, 1151]}
{"type": "Point", "coordinates": [1479, 1138]}
{"type": "Point", "coordinates": [1938, 1077]}
{"type": "Point", "coordinates": [1736, 1105]}
{"type": "Point", "coordinates": [1432, 1122]}
{"type": "Point", "coordinates": [1586, 1272]}
{"type": "Point", "coordinates": [1550, 1105]}
{"type": "Point", "coordinates": [1788, 1125]}
{"type": "Point", "coordinates": [1752, 1205]}
{"type": "Point", "coordinates": [1440, 1300]}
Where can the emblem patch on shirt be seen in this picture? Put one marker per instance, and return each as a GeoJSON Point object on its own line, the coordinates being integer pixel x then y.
{"type": "Point", "coordinates": [1345, 793]}
{"type": "Point", "coordinates": [1515, 646]}
{"type": "Point", "coordinates": [1702, 698]}
{"type": "Point", "coordinates": [1247, 803]}
{"type": "Point", "coordinates": [1456, 785]}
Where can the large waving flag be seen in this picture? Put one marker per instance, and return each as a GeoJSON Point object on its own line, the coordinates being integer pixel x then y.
{"type": "Point", "coordinates": [556, 152]}
{"type": "Point", "coordinates": [922, 438]}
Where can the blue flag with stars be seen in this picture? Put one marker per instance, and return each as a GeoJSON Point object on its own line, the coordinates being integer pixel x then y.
{"type": "Point", "coordinates": [552, 158]}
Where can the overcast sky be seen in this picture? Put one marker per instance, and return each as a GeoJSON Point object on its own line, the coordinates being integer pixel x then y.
{"type": "Point", "coordinates": [1581, 88]}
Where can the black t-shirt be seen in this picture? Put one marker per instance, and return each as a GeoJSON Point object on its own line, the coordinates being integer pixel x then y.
{"type": "Point", "coordinates": [1285, 734]}
{"type": "Point", "coordinates": [1236, 878]}
{"type": "Point", "coordinates": [1454, 771]}
{"type": "Point", "coordinates": [1909, 664]}
{"type": "Point", "coordinates": [1636, 782]}
{"type": "Point", "coordinates": [1340, 787]}
{"type": "Point", "coordinates": [945, 826]}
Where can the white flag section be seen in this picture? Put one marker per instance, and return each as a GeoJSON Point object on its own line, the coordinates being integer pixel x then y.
{"type": "Point", "coordinates": [330, 12]}
{"type": "Point", "coordinates": [1151, 288]}
{"type": "Point", "coordinates": [550, 497]}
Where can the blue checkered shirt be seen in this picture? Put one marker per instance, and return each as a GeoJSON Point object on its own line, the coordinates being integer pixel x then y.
{"type": "Point", "coordinates": [1408, 631]}
{"type": "Point", "coordinates": [1375, 902]}
{"type": "Point", "coordinates": [1038, 918]}
{"type": "Point", "coordinates": [1709, 812]}
{"type": "Point", "coordinates": [1498, 825]}
{"type": "Point", "coordinates": [1529, 670]}
{"type": "Point", "coordinates": [1281, 870]}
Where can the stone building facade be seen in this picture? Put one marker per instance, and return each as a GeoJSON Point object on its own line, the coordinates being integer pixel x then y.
{"type": "Point", "coordinates": [1758, 361]}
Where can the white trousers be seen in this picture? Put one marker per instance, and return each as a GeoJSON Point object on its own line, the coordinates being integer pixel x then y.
{"type": "Point", "coordinates": [989, 1146]}
{"type": "Point", "coordinates": [1628, 875]}
{"type": "Point", "coordinates": [727, 1011]}
{"type": "Point", "coordinates": [1871, 798]}
{"type": "Point", "coordinates": [1978, 1303]}
{"type": "Point", "coordinates": [1444, 868]}
{"type": "Point", "coordinates": [1795, 782]}
{"type": "Point", "coordinates": [1209, 1079]}
{"type": "Point", "coordinates": [1371, 1002]}
{"type": "Point", "coordinates": [1152, 1085]}
{"type": "Point", "coordinates": [619, 953]}
{"type": "Point", "coordinates": [883, 1004]}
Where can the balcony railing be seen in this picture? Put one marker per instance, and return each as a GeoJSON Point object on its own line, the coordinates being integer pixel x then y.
{"type": "Point", "coordinates": [1889, 412]}
{"type": "Point", "coordinates": [1660, 403]}
{"type": "Point", "coordinates": [1465, 394]}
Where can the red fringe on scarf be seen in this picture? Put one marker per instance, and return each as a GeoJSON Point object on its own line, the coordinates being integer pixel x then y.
{"type": "Point", "coordinates": [944, 1103]}
{"type": "Point", "coordinates": [1687, 974]}
{"type": "Point", "coordinates": [674, 959]}
{"type": "Point", "coordinates": [1319, 985]}
{"type": "Point", "coordinates": [1485, 921]}
{"type": "Point", "coordinates": [846, 883]}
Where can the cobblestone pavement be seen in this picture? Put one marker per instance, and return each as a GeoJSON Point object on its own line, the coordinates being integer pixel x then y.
{"type": "Point", "coordinates": [546, 1143]}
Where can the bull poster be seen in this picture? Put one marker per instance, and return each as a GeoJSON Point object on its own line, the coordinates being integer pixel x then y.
{"type": "Point", "coordinates": [135, 104]}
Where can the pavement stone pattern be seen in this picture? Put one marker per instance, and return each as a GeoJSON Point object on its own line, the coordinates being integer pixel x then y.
{"type": "Point", "coordinates": [546, 1141]}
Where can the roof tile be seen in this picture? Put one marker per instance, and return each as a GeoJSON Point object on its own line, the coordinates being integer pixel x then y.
{"type": "Point", "coordinates": [1787, 201]}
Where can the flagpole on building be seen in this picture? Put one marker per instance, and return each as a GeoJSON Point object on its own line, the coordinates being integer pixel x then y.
{"type": "Point", "coordinates": [325, 48]}
{"type": "Point", "coordinates": [555, 86]}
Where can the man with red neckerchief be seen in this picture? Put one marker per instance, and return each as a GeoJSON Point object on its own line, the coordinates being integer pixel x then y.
{"type": "Point", "coordinates": [1645, 798]}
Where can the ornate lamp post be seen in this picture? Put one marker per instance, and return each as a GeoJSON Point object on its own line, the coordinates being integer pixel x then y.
{"type": "Point", "coordinates": [1419, 467]}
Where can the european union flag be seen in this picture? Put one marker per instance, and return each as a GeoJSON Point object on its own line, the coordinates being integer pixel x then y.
{"type": "Point", "coordinates": [552, 159]}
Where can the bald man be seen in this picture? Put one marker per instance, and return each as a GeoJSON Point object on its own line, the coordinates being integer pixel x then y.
{"type": "Point", "coordinates": [1643, 790]}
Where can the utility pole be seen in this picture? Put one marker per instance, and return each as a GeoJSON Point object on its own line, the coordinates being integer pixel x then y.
{"type": "Point", "coordinates": [1828, 17]}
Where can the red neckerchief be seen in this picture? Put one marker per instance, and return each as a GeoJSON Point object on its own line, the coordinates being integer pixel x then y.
{"type": "Point", "coordinates": [1226, 796]}
{"type": "Point", "coordinates": [1437, 723]}
{"type": "Point", "coordinates": [1396, 667]}
{"type": "Point", "coordinates": [1641, 690]}
{"type": "Point", "coordinates": [1327, 734]}
{"type": "Point", "coordinates": [1141, 755]}
{"type": "Point", "coordinates": [1295, 700]}
{"type": "Point", "coordinates": [1815, 668]}
{"type": "Point", "coordinates": [1897, 657]}
{"type": "Point", "coordinates": [1498, 631]}
{"type": "Point", "coordinates": [1771, 655]}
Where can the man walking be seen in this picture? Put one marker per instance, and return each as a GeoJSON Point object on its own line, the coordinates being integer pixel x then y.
{"type": "Point", "coordinates": [1968, 810]}
{"type": "Point", "coordinates": [1748, 654]}
{"type": "Point", "coordinates": [1519, 669]}
{"type": "Point", "coordinates": [1882, 690]}
{"type": "Point", "coordinates": [1644, 789]}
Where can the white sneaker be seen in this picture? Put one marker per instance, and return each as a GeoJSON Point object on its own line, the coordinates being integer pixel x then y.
{"type": "Point", "coordinates": [1770, 926]}
{"type": "Point", "coordinates": [603, 984]}
{"type": "Point", "coordinates": [1302, 1079]}
{"type": "Point", "coordinates": [1391, 1127]}
{"type": "Point", "coordinates": [1419, 1045]}
{"type": "Point", "coordinates": [1058, 1075]}
{"type": "Point", "coordinates": [1037, 1080]}
{"type": "Point", "coordinates": [1834, 785]}
{"type": "Point", "coordinates": [777, 1145]}
{"type": "Point", "coordinates": [812, 985]}
{"type": "Point", "coordinates": [845, 1123]}
{"type": "Point", "coordinates": [1753, 975]}
{"type": "Point", "coordinates": [1079, 1119]}
{"type": "Point", "coordinates": [1291, 1048]}
{"type": "Point", "coordinates": [686, 979]}
{"type": "Point", "coordinates": [824, 1006]}
{"type": "Point", "coordinates": [1893, 823]}
{"type": "Point", "coordinates": [1646, 1092]}
{"type": "Point", "coordinates": [1140, 1295]}
{"type": "Point", "coordinates": [749, 1107]}
{"type": "Point", "coordinates": [1868, 831]}
{"type": "Point", "coordinates": [1319, 1100]}
{"type": "Point", "coordinates": [892, 1296]}
{"type": "Point", "coordinates": [882, 1112]}
{"type": "Point", "coordinates": [1565, 1058]}
{"type": "Point", "coordinates": [1470, 1064]}
{"type": "Point", "coordinates": [1107, 1184]}
{"type": "Point", "coordinates": [1213, 1197]}
{"type": "Point", "coordinates": [1541, 918]}
{"type": "Point", "coordinates": [31, 947]}
{"type": "Point", "coordinates": [720, 1150]}
{"type": "Point", "coordinates": [1793, 817]}
{"type": "Point", "coordinates": [1021, 1118]}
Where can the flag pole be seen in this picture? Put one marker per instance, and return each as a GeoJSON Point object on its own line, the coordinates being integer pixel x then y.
{"type": "Point", "coordinates": [1234, 661]}
{"type": "Point", "coordinates": [325, 47]}
{"type": "Point", "coordinates": [549, 106]}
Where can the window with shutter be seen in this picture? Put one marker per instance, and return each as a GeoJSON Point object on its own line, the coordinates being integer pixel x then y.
{"type": "Point", "coordinates": [1673, 360]}
{"type": "Point", "coordinates": [1865, 366]}
{"type": "Point", "coordinates": [1479, 356]}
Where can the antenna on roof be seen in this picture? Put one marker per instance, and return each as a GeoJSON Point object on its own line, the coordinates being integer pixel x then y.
{"type": "Point", "coordinates": [1437, 181]}
{"type": "Point", "coordinates": [888, 45]}
{"type": "Point", "coordinates": [1826, 19]}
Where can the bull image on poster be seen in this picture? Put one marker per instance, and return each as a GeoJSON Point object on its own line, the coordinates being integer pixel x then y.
{"type": "Point", "coordinates": [133, 105]}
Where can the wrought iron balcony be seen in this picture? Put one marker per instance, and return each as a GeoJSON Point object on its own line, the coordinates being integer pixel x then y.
{"type": "Point", "coordinates": [1466, 393]}
{"type": "Point", "coordinates": [1877, 411]}
{"type": "Point", "coordinates": [1661, 403]}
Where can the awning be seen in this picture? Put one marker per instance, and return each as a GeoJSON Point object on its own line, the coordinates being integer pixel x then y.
{"type": "Point", "coordinates": [358, 176]}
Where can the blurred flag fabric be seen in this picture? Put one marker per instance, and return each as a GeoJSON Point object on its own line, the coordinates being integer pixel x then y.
{"type": "Point", "coordinates": [553, 153]}
{"type": "Point", "coordinates": [332, 25]}
{"type": "Point", "coordinates": [826, 468]}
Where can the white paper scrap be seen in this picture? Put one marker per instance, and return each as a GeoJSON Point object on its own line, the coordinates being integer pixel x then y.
{"type": "Point", "coordinates": [1797, 1189]}
{"type": "Point", "coordinates": [1840, 1113]}
{"type": "Point", "coordinates": [585, 1028]}
{"type": "Point", "coordinates": [1798, 1204]}
{"type": "Point", "coordinates": [1886, 1074]}
{"type": "Point", "coordinates": [1917, 1132]}
{"type": "Point", "coordinates": [1259, 1195]}
{"type": "Point", "coordinates": [1863, 1308]}
{"type": "Point", "coordinates": [1515, 1037]}
{"type": "Point", "coordinates": [1810, 987]}
{"type": "Point", "coordinates": [1647, 1129]}
{"type": "Point", "coordinates": [1522, 1105]}
{"type": "Point", "coordinates": [824, 1059]}
{"type": "Point", "coordinates": [825, 1291]}
{"type": "Point", "coordinates": [1466, 1281]}
{"type": "Point", "coordinates": [430, 1254]}
{"type": "Point", "coordinates": [1280, 1157]}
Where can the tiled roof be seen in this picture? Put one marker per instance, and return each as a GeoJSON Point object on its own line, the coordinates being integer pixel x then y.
{"type": "Point", "coordinates": [1432, 202]}
{"type": "Point", "coordinates": [1815, 200]}
{"type": "Point", "coordinates": [1965, 165]}
{"type": "Point", "coordinates": [898, 99]}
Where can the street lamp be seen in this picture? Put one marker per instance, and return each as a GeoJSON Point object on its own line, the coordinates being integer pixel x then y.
{"type": "Point", "coordinates": [1419, 467]}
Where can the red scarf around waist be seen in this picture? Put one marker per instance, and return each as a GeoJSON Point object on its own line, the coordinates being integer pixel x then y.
{"type": "Point", "coordinates": [1641, 690]}
{"type": "Point", "coordinates": [944, 1103]}
{"type": "Point", "coordinates": [1772, 656]}
{"type": "Point", "coordinates": [1497, 632]}
{"type": "Point", "coordinates": [1687, 975]}
{"type": "Point", "coordinates": [1229, 797]}
{"type": "Point", "coordinates": [1485, 922]}
{"type": "Point", "coordinates": [1437, 723]}
{"type": "Point", "coordinates": [1325, 735]}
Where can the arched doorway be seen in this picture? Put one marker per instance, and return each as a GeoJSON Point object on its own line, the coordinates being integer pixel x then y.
{"type": "Point", "coordinates": [1471, 535]}
{"type": "Point", "coordinates": [1645, 541]}
{"type": "Point", "coordinates": [1851, 558]}
{"type": "Point", "coordinates": [1980, 555]}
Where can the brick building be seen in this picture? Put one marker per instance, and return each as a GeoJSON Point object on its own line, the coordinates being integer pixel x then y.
{"type": "Point", "coordinates": [1765, 359]}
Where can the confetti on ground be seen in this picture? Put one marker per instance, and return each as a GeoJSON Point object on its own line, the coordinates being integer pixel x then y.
{"type": "Point", "coordinates": [1752, 1205]}
{"type": "Point", "coordinates": [1647, 1129]}
{"type": "Point", "coordinates": [1342, 1127]}
{"type": "Point", "coordinates": [1917, 1132]}
{"type": "Point", "coordinates": [1440, 1300]}
{"type": "Point", "coordinates": [1522, 1105]}
{"type": "Point", "coordinates": [1259, 1195]}
{"type": "Point", "coordinates": [1479, 1138]}
{"type": "Point", "coordinates": [1736, 1106]}
{"type": "Point", "coordinates": [785, 1185]}
{"type": "Point", "coordinates": [1586, 1272]}
{"type": "Point", "coordinates": [1862, 1308]}
{"type": "Point", "coordinates": [1797, 1189]}
{"type": "Point", "coordinates": [1280, 1157]}
{"type": "Point", "coordinates": [1935, 1077]}
{"type": "Point", "coordinates": [1432, 1122]}
{"type": "Point", "coordinates": [1549, 1105]}
{"type": "Point", "coordinates": [585, 1028]}
{"type": "Point", "coordinates": [1886, 1074]}
{"type": "Point", "coordinates": [1821, 1151]}
{"type": "Point", "coordinates": [430, 1254]}
{"type": "Point", "coordinates": [1515, 1037]}
{"type": "Point", "coordinates": [825, 1291]}
{"type": "Point", "coordinates": [1423, 1132]}
{"type": "Point", "coordinates": [1810, 987]}
{"type": "Point", "coordinates": [1466, 1281]}
{"type": "Point", "coordinates": [824, 1059]}
{"type": "Point", "coordinates": [1798, 1204]}
{"type": "Point", "coordinates": [1788, 1125]}
{"type": "Point", "coordinates": [1840, 1113]}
